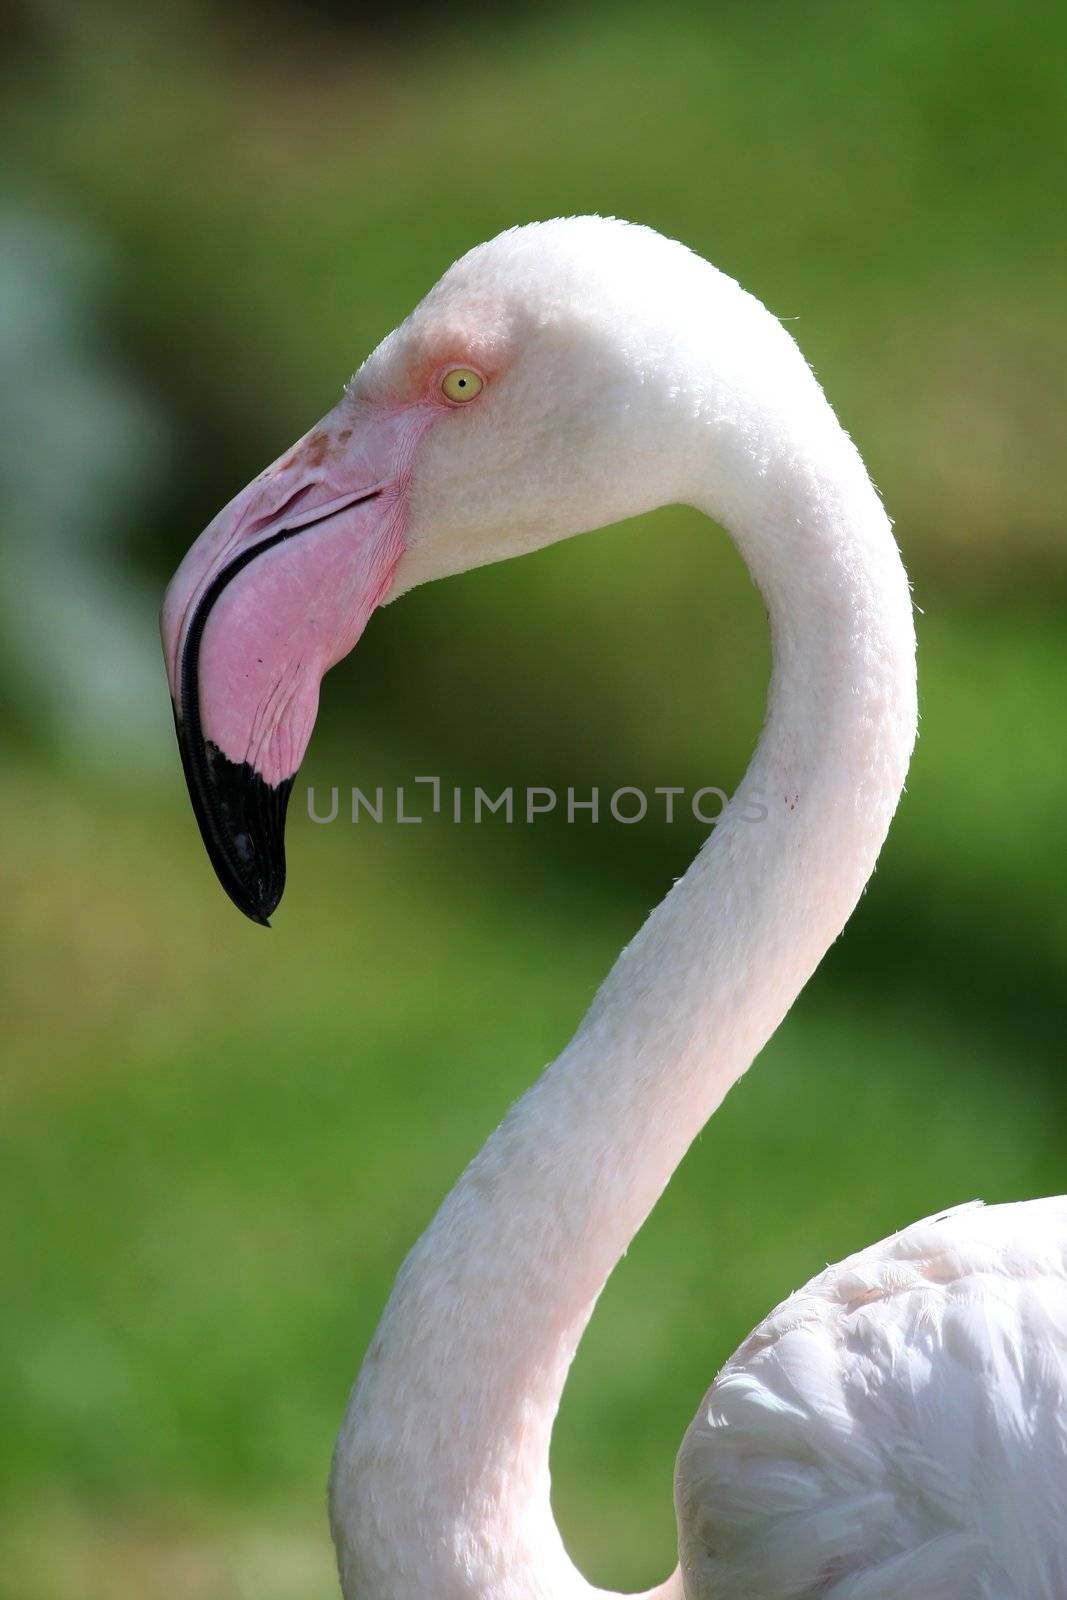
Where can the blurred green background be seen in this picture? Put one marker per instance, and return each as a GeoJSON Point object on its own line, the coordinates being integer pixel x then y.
{"type": "Point", "coordinates": [217, 1144]}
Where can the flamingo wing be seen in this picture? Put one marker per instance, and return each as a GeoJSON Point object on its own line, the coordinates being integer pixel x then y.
{"type": "Point", "coordinates": [897, 1428]}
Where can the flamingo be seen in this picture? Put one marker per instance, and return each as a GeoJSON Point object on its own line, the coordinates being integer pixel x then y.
{"type": "Point", "coordinates": [898, 1426]}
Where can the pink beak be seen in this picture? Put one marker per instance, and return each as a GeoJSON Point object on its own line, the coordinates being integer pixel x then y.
{"type": "Point", "coordinates": [277, 589]}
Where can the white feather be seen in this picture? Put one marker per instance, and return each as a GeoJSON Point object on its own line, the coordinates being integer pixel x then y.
{"type": "Point", "coordinates": [923, 1380]}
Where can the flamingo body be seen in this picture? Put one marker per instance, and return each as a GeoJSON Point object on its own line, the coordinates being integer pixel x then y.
{"type": "Point", "coordinates": [897, 1429]}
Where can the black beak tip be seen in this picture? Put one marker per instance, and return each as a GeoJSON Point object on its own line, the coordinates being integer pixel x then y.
{"type": "Point", "coordinates": [242, 823]}
{"type": "Point", "coordinates": [258, 905]}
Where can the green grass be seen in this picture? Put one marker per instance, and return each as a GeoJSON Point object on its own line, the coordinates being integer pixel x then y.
{"type": "Point", "coordinates": [216, 1145]}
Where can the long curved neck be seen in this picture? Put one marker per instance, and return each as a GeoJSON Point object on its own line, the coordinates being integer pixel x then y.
{"type": "Point", "coordinates": [441, 1476]}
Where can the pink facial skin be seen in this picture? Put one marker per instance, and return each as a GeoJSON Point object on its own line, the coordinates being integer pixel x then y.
{"type": "Point", "coordinates": [274, 592]}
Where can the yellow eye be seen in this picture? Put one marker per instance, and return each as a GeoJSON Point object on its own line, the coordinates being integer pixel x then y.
{"type": "Point", "coordinates": [461, 384]}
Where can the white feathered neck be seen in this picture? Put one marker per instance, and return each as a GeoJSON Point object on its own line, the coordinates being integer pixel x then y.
{"type": "Point", "coordinates": [441, 1481]}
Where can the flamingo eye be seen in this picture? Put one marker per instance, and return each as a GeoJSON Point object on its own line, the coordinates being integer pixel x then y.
{"type": "Point", "coordinates": [461, 384]}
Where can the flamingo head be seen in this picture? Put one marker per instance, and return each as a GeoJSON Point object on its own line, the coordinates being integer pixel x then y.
{"type": "Point", "coordinates": [519, 403]}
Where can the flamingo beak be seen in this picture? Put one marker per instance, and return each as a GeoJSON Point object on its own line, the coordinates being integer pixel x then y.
{"type": "Point", "coordinates": [277, 590]}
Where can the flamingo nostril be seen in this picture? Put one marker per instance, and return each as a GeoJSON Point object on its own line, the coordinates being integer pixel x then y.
{"type": "Point", "coordinates": [288, 505]}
